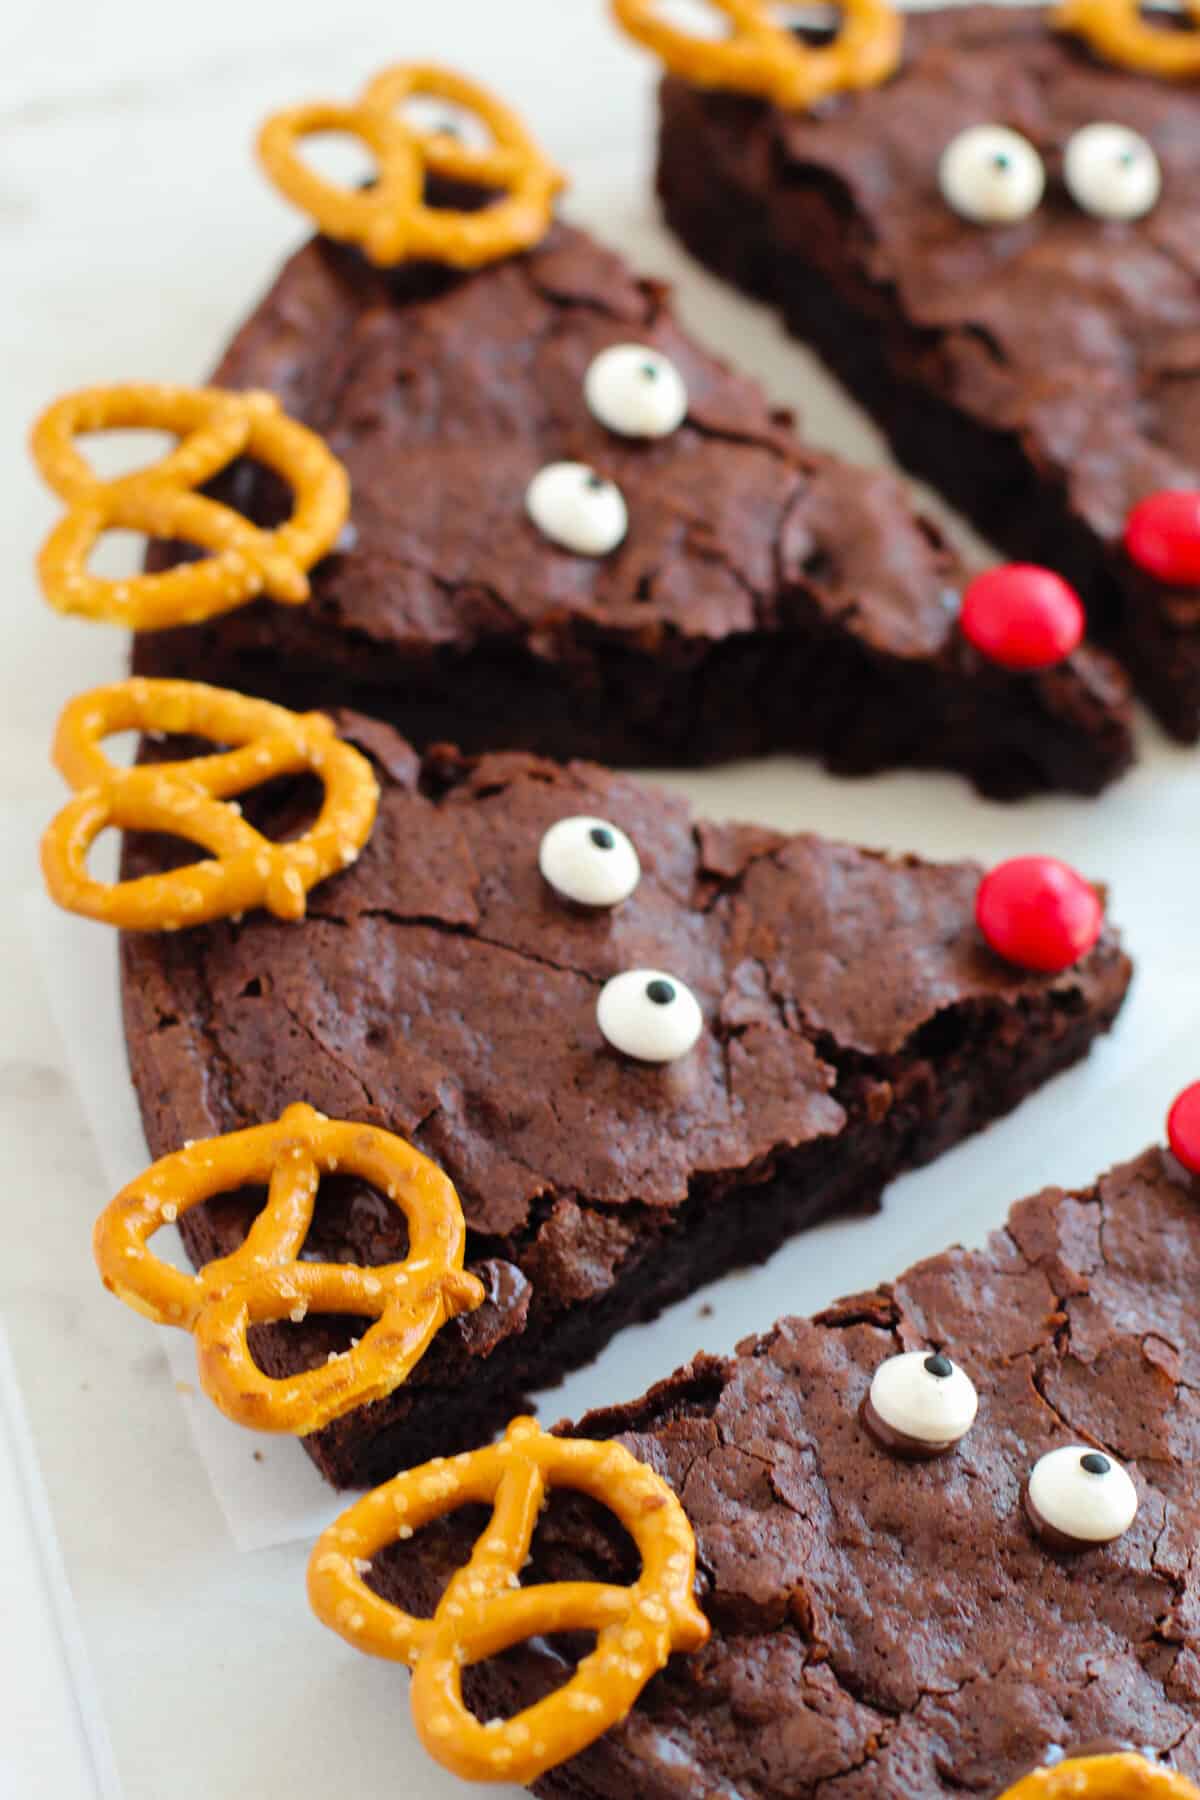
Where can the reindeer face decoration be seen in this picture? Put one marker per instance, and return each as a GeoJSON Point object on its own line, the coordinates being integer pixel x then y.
{"type": "Point", "coordinates": [1071, 240]}
{"type": "Point", "coordinates": [1002, 219]}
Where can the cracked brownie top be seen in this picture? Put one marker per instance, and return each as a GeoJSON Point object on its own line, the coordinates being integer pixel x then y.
{"type": "Point", "coordinates": [889, 1627]}
{"type": "Point", "coordinates": [522, 569]}
{"type": "Point", "coordinates": [849, 1020]}
{"type": "Point", "coordinates": [445, 991]}
{"type": "Point", "coordinates": [443, 396]}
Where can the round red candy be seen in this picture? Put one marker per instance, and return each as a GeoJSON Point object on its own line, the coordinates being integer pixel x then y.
{"type": "Point", "coordinates": [1162, 535]}
{"type": "Point", "coordinates": [1038, 913]}
{"type": "Point", "coordinates": [1022, 617]}
{"type": "Point", "coordinates": [1183, 1128]}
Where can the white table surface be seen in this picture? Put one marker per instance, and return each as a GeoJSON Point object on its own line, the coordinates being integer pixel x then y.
{"type": "Point", "coordinates": [133, 233]}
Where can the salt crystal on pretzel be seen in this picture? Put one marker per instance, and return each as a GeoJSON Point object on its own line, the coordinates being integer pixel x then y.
{"type": "Point", "coordinates": [485, 1611]}
{"type": "Point", "coordinates": [213, 427]}
{"type": "Point", "coordinates": [191, 800]}
{"type": "Point", "coordinates": [264, 1281]}
{"type": "Point", "coordinates": [760, 56]}
{"type": "Point", "coordinates": [391, 220]}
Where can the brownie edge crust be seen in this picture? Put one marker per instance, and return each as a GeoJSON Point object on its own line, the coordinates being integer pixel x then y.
{"type": "Point", "coordinates": [855, 1025]}
{"type": "Point", "coordinates": [892, 1628]}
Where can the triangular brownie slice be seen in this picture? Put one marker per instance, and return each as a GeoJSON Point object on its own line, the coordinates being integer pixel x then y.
{"type": "Point", "coordinates": [884, 1626]}
{"type": "Point", "coordinates": [1040, 368]}
{"type": "Point", "coordinates": [765, 596]}
{"type": "Point", "coordinates": [852, 1022]}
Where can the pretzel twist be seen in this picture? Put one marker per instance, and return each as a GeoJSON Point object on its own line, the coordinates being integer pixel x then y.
{"type": "Point", "coordinates": [760, 56]}
{"type": "Point", "coordinates": [263, 1282]}
{"type": "Point", "coordinates": [485, 1610]}
{"type": "Point", "coordinates": [391, 220]}
{"type": "Point", "coordinates": [214, 427]}
{"type": "Point", "coordinates": [1117, 31]}
{"type": "Point", "coordinates": [188, 800]}
{"type": "Point", "coordinates": [1123, 1776]}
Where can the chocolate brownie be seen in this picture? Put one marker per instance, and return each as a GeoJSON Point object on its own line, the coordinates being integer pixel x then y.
{"type": "Point", "coordinates": [766, 596]}
{"type": "Point", "coordinates": [890, 1628]}
{"type": "Point", "coordinates": [1043, 374]}
{"type": "Point", "coordinates": [855, 1024]}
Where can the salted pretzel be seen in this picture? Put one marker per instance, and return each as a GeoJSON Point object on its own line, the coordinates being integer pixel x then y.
{"type": "Point", "coordinates": [1118, 31]}
{"type": "Point", "coordinates": [191, 800]}
{"type": "Point", "coordinates": [263, 1281]}
{"type": "Point", "coordinates": [391, 219]}
{"type": "Point", "coordinates": [213, 427]}
{"type": "Point", "coordinates": [760, 56]}
{"type": "Point", "coordinates": [484, 1609]}
{"type": "Point", "coordinates": [1122, 1776]}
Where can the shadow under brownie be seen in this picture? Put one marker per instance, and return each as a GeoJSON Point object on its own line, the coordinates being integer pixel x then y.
{"type": "Point", "coordinates": [884, 1627]}
{"type": "Point", "coordinates": [855, 1025]}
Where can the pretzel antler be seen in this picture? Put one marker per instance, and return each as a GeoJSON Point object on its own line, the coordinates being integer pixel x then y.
{"type": "Point", "coordinates": [265, 1280]}
{"type": "Point", "coordinates": [213, 427]}
{"type": "Point", "coordinates": [1121, 1776]}
{"type": "Point", "coordinates": [1117, 31]}
{"type": "Point", "coordinates": [191, 800]}
{"type": "Point", "coordinates": [391, 220]}
{"type": "Point", "coordinates": [485, 1610]}
{"type": "Point", "coordinates": [760, 56]}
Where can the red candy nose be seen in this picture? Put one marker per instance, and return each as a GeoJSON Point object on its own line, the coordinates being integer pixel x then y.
{"type": "Point", "coordinates": [1183, 1128]}
{"type": "Point", "coordinates": [1022, 617]}
{"type": "Point", "coordinates": [1038, 913]}
{"type": "Point", "coordinates": [1162, 536]}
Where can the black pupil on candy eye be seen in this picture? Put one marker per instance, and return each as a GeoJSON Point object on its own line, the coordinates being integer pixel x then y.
{"type": "Point", "coordinates": [939, 1365]}
{"type": "Point", "coordinates": [1094, 1463]}
{"type": "Point", "coordinates": [661, 992]}
{"type": "Point", "coordinates": [1002, 162]}
{"type": "Point", "coordinates": [602, 837]}
{"type": "Point", "coordinates": [1127, 158]}
{"type": "Point", "coordinates": [650, 371]}
{"type": "Point", "coordinates": [595, 482]}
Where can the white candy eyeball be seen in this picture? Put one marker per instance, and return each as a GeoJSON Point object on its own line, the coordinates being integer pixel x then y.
{"type": "Point", "coordinates": [1112, 172]}
{"type": "Point", "coordinates": [921, 1403]}
{"type": "Point", "coordinates": [575, 507]}
{"type": "Point", "coordinates": [1079, 1496]}
{"type": "Point", "coordinates": [991, 175]}
{"type": "Point", "coordinates": [589, 861]}
{"type": "Point", "coordinates": [649, 1016]}
{"type": "Point", "coordinates": [636, 392]}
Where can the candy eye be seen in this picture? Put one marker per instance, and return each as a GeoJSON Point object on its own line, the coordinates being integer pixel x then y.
{"type": "Point", "coordinates": [1112, 172]}
{"type": "Point", "coordinates": [589, 861]}
{"type": "Point", "coordinates": [636, 392]}
{"type": "Point", "coordinates": [920, 1404]}
{"type": "Point", "coordinates": [575, 507]}
{"type": "Point", "coordinates": [991, 175]}
{"type": "Point", "coordinates": [649, 1016]}
{"type": "Point", "coordinates": [1078, 1496]}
